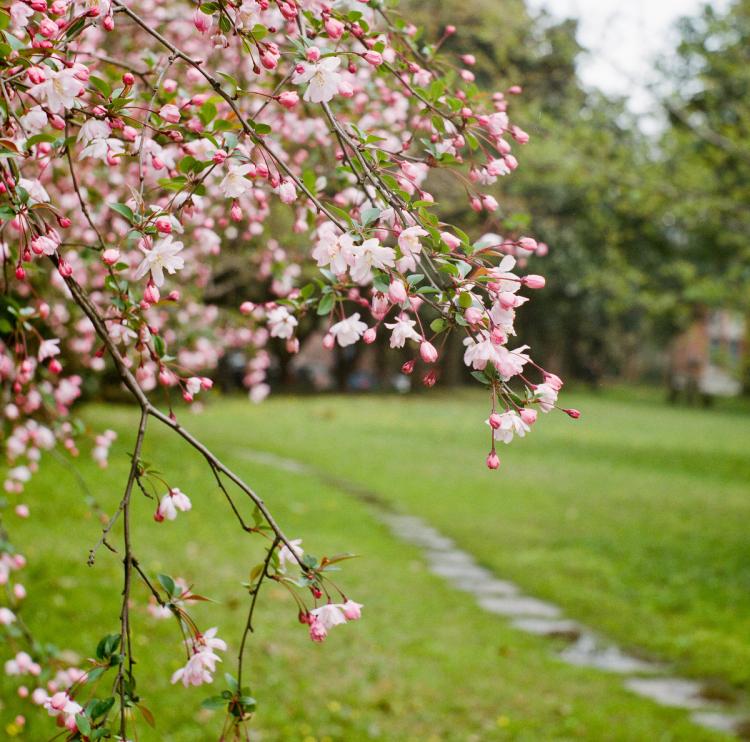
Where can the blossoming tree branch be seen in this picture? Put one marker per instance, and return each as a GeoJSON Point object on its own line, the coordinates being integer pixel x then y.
{"type": "Point", "coordinates": [142, 140]}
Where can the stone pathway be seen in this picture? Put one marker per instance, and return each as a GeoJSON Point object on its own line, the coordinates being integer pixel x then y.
{"type": "Point", "coordinates": [584, 648]}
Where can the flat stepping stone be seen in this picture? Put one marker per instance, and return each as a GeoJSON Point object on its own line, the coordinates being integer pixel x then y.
{"type": "Point", "coordinates": [471, 572]}
{"type": "Point", "coordinates": [675, 692]}
{"type": "Point", "coordinates": [518, 605]}
{"type": "Point", "coordinates": [491, 587]}
{"type": "Point", "coordinates": [418, 532]}
{"type": "Point", "coordinates": [589, 652]}
{"type": "Point", "coordinates": [278, 462]}
{"type": "Point", "coordinates": [718, 721]}
{"type": "Point", "coordinates": [556, 628]}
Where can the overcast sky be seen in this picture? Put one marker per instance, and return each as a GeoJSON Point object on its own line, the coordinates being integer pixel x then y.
{"type": "Point", "coordinates": [624, 37]}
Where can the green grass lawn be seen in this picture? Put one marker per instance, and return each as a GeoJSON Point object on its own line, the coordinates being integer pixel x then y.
{"type": "Point", "coordinates": [634, 519]}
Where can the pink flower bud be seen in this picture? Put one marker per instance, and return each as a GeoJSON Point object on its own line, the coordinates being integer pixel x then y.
{"type": "Point", "coordinates": [128, 79]}
{"type": "Point", "coordinates": [495, 421]}
{"type": "Point", "coordinates": [164, 225]}
{"type": "Point", "coordinates": [346, 90]}
{"type": "Point", "coordinates": [269, 61]}
{"type": "Point", "coordinates": [373, 58]}
{"type": "Point", "coordinates": [493, 461]}
{"type": "Point", "coordinates": [397, 291]}
{"type": "Point", "coordinates": [408, 367]}
{"type": "Point", "coordinates": [528, 416]}
{"type": "Point", "coordinates": [430, 379]}
{"type": "Point", "coordinates": [428, 352]}
{"type": "Point", "coordinates": [151, 293]}
{"type": "Point", "coordinates": [369, 335]}
{"type": "Point", "coordinates": [451, 240]}
{"type": "Point", "coordinates": [318, 632]}
{"type": "Point", "coordinates": [292, 346]}
{"type": "Point", "coordinates": [533, 281]}
{"type": "Point", "coordinates": [519, 135]}
{"type": "Point", "coordinates": [313, 54]}
{"type": "Point", "coordinates": [528, 243]}
{"type": "Point", "coordinates": [287, 192]}
{"type": "Point", "coordinates": [450, 30]}
{"type": "Point", "coordinates": [170, 113]}
{"type": "Point", "coordinates": [247, 307]}
{"type": "Point", "coordinates": [36, 75]}
{"type": "Point", "coordinates": [111, 255]}
{"type": "Point", "coordinates": [55, 366]}
{"type": "Point", "coordinates": [575, 414]}
{"type": "Point", "coordinates": [202, 21]}
{"type": "Point", "coordinates": [48, 28]}
{"type": "Point", "coordinates": [289, 99]}
{"type": "Point", "coordinates": [219, 156]}
{"type": "Point", "coordinates": [490, 203]}
{"type": "Point", "coordinates": [329, 341]}
{"type": "Point", "coordinates": [334, 28]}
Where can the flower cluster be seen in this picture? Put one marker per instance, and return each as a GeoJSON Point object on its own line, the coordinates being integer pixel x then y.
{"type": "Point", "coordinates": [142, 173]}
{"type": "Point", "coordinates": [202, 659]}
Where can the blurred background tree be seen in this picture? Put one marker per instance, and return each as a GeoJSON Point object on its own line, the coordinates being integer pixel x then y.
{"type": "Point", "coordinates": [644, 229]}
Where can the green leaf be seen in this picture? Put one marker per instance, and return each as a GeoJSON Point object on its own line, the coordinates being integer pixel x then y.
{"type": "Point", "coordinates": [231, 682]}
{"type": "Point", "coordinates": [480, 376]}
{"type": "Point", "coordinates": [124, 211]}
{"type": "Point", "coordinates": [168, 584]}
{"type": "Point", "coordinates": [99, 707]}
{"type": "Point", "coordinates": [159, 346]}
{"type": "Point", "coordinates": [326, 304]}
{"type": "Point", "coordinates": [214, 702]}
{"type": "Point", "coordinates": [107, 645]}
{"type": "Point", "coordinates": [83, 724]}
{"type": "Point", "coordinates": [96, 673]}
{"type": "Point", "coordinates": [380, 282]}
{"type": "Point", "coordinates": [370, 215]}
{"type": "Point", "coordinates": [101, 85]}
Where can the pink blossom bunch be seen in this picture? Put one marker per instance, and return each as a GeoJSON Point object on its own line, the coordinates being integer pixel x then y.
{"type": "Point", "coordinates": [146, 178]}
